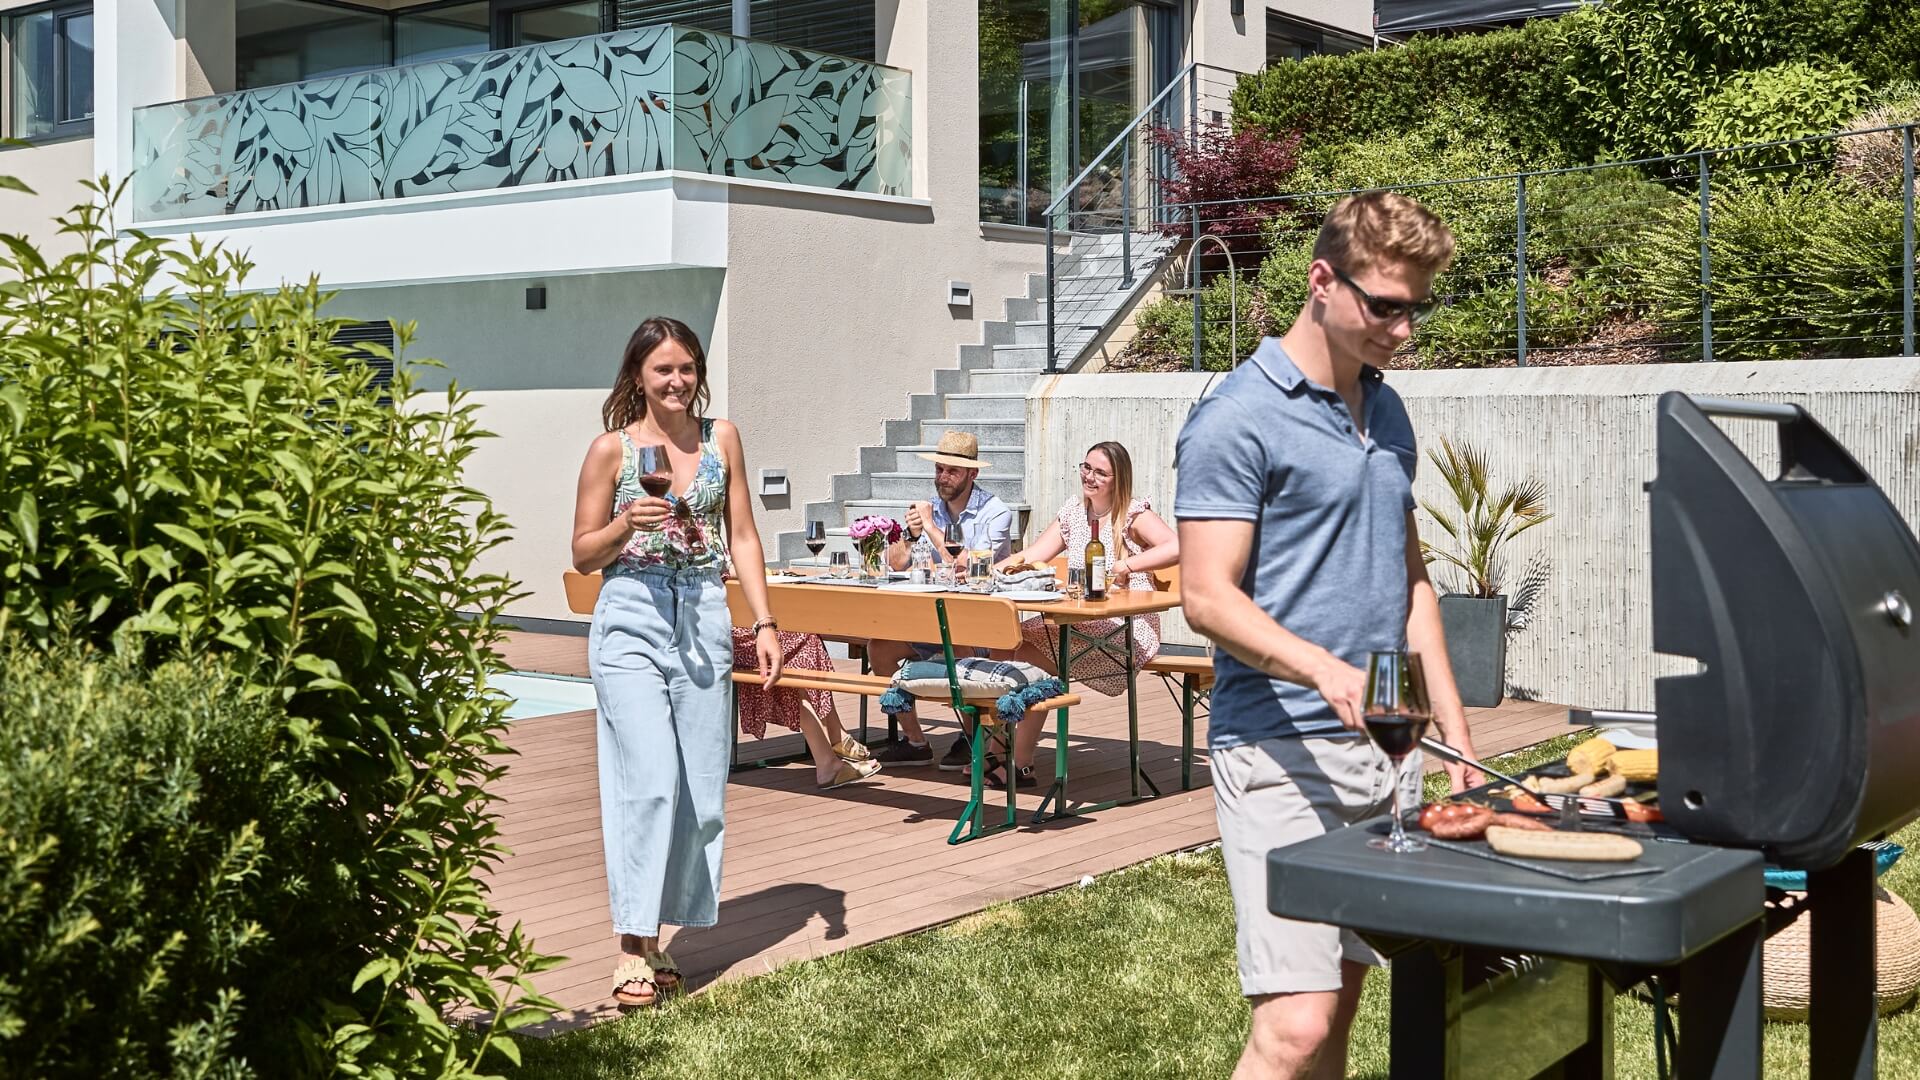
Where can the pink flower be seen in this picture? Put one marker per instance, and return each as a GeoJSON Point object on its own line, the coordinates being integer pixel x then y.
{"type": "Point", "coordinates": [874, 525]}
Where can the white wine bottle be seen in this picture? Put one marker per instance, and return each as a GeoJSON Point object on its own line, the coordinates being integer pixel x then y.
{"type": "Point", "coordinates": [1096, 561]}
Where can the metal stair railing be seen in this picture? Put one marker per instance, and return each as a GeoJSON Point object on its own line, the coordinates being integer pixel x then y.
{"type": "Point", "coordinates": [1121, 189]}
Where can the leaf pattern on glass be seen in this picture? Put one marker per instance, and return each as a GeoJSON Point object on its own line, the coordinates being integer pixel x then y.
{"type": "Point", "coordinates": [633, 101]}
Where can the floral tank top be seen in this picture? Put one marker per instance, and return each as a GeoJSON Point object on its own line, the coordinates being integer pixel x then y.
{"type": "Point", "coordinates": [695, 536]}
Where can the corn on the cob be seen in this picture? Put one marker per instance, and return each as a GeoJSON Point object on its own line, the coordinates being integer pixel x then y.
{"type": "Point", "coordinates": [1637, 764]}
{"type": "Point", "coordinates": [1590, 757]}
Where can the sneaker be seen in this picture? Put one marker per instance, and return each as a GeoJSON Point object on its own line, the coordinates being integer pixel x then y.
{"type": "Point", "coordinates": [902, 752]}
{"type": "Point", "coordinates": [959, 756]}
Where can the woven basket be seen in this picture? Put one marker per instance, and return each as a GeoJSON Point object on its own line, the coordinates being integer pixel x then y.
{"type": "Point", "coordinates": [1896, 960]}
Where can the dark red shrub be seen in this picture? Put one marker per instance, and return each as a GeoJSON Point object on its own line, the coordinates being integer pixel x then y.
{"type": "Point", "coordinates": [1230, 178]}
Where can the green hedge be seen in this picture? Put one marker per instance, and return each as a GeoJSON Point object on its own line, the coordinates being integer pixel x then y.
{"type": "Point", "coordinates": [1512, 76]}
{"type": "Point", "coordinates": [148, 820]}
{"type": "Point", "coordinates": [190, 471]}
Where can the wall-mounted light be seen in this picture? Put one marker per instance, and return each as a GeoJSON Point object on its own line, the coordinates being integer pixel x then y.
{"type": "Point", "coordinates": [773, 482]}
{"type": "Point", "coordinates": [537, 298]}
{"type": "Point", "coordinates": [959, 294]}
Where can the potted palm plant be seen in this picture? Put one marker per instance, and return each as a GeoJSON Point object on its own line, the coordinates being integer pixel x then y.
{"type": "Point", "coordinates": [1476, 529]}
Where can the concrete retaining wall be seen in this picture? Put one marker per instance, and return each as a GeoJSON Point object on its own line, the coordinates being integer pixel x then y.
{"type": "Point", "coordinates": [1587, 432]}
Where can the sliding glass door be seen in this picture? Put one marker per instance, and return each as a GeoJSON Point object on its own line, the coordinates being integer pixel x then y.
{"type": "Point", "coordinates": [1059, 79]}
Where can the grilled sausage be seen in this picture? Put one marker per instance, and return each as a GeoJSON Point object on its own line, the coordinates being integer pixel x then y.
{"type": "Point", "coordinates": [1468, 824]}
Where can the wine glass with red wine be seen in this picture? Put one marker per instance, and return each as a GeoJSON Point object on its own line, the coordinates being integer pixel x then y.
{"type": "Point", "coordinates": [1396, 712]}
{"type": "Point", "coordinates": [656, 473]}
{"type": "Point", "coordinates": [955, 544]}
{"type": "Point", "coordinates": [816, 537]}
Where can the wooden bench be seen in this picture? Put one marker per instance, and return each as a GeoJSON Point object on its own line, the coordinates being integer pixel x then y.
{"type": "Point", "coordinates": [956, 621]}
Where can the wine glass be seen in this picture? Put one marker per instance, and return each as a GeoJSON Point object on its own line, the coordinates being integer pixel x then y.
{"type": "Point", "coordinates": [656, 472]}
{"type": "Point", "coordinates": [955, 546]}
{"type": "Point", "coordinates": [816, 538]}
{"type": "Point", "coordinates": [1396, 712]}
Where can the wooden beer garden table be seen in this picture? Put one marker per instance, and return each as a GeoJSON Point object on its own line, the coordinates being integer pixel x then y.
{"type": "Point", "coordinates": [1123, 604]}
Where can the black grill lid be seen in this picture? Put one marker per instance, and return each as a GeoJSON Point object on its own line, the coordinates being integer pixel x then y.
{"type": "Point", "coordinates": [1801, 732]}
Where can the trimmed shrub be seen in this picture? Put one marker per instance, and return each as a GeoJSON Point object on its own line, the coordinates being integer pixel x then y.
{"type": "Point", "coordinates": [1785, 101]}
{"type": "Point", "coordinates": [192, 472]}
{"type": "Point", "coordinates": [148, 820]}
{"type": "Point", "coordinates": [1511, 76]}
{"type": "Point", "coordinates": [1802, 270]}
{"type": "Point", "coordinates": [1483, 330]}
{"type": "Point", "coordinates": [1592, 218]}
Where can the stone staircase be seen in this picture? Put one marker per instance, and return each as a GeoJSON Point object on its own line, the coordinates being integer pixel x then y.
{"type": "Point", "coordinates": [986, 394]}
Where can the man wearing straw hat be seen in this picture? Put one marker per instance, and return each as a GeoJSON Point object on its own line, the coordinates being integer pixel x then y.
{"type": "Point", "coordinates": [984, 523]}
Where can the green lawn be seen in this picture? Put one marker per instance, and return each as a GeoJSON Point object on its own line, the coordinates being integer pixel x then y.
{"type": "Point", "coordinates": [1130, 977]}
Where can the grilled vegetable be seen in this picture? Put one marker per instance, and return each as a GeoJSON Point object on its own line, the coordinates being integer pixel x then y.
{"type": "Point", "coordinates": [1591, 757]}
{"type": "Point", "coordinates": [1526, 803]}
{"type": "Point", "coordinates": [1637, 764]}
{"type": "Point", "coordinates": [1574, 847]}
{"type": "Point", "coordinates": [1612, 787]}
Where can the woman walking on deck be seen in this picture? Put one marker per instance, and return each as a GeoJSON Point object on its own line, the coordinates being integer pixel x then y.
{"type": "Point", "coordinates": [661, 645]}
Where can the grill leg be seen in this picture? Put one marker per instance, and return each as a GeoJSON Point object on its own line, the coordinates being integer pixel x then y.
{"type": "Point", "coordinates": [1842, 1015]}
{"type": "Point", "coordinates": [1720, 1019]}
{"type": "Point", "coordinates": [1425, 992]}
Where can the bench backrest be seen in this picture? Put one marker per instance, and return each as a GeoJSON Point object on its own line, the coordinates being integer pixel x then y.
{"type": "Point", "coordinates": [850, 613]}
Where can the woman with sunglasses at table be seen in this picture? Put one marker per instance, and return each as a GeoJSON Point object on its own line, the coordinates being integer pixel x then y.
{"type": "Point", "coordinates": [1137, 541]}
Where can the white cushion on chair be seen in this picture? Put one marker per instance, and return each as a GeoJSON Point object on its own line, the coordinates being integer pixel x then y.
{"type": "Point", "coordinates": [980, 678]}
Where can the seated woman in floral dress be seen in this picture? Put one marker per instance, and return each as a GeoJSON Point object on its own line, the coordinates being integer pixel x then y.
{"type": "Point", "coordinates": [838, 759]}
{"type": "Point", "coordinates": [1137, 542]}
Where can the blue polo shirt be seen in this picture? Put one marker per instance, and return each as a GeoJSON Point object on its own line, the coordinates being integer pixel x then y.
{"type": "Point", "coordinates": [985, 525]}
{"type": "Point", "coordinates": [1328, 507]}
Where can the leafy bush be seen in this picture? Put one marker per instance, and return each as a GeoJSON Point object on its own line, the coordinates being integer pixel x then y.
{"type": "Point", "coordinates": [1483, 330]}
{"type": "Point", "coordinates": [1786, 101]}
{"type": "Point", "coordinates": [1480, 212]}
{"type": "Point", "coordinates": [1886, 46]}
{"type": "Point", "coordinates": [1591, 218]}
{"type": "Point", "coordinates": [1638, 70]}
{"type": "Point", "coordinates": [193, 472]}
{"type": "Point", "coordinates": [1512, 76]}
{"type": "Point", "coordinates": [1229, 178]}
{"type": "Point", "coordinates": [1877, 161]}
{"type": "Point", "coordinates": [147, 820]}
{"type": "Point", "coordinates": [1808, 269]}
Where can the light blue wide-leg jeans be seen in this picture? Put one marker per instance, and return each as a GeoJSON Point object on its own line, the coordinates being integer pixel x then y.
{"type": "Point", "coordinates": [660, 652]}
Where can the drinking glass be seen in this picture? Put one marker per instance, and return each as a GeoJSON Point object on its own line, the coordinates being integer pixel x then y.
{"type": "Point", "coordinates": [956, 547]}
{"type": "Point", "coordinates": [1076, 583]}
{"type": "Point", "coordinates": [1396, 712]}
{"type": "Point", "coordinates": [816, 538]}
{"type": "Point", "coordinates": [837, 565]}
{"type": "Point", "coordinates": [655, 471]}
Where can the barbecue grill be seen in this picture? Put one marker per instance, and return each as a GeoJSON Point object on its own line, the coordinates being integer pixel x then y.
{"type": "Point", "coordinates": [1795, 741]}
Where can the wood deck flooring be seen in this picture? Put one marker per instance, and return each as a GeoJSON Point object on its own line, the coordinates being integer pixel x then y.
{"type": "Point", "coordinates": [809, 873]}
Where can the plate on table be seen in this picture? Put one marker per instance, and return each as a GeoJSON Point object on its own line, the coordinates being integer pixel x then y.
{"type": "Point", "coordinates": [908, 586]}
{"type": "Point", "coordinates": [788, 579]}
{"type": "Point", "coordinates": [1030, 596]}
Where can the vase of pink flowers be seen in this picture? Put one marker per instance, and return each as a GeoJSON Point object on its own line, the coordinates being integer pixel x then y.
{"type": "Point", "coordinates": [870, 536]}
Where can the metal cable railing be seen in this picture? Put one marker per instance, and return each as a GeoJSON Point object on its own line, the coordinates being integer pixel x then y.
{"type": "Point", "coordinates": [1797, 248]}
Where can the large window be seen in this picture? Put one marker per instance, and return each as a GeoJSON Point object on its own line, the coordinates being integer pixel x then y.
{"type": "Point", "coordinates": [52, 72]}
{"type": "Point", "coordinates": [283, 41]}
{"type": "Point", "coordinates": [1296, 39]}
{"type": "Point", "coordinates": [439, 33]}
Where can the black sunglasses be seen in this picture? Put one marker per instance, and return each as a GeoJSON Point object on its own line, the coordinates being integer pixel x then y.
{"type": "Point", "coordinates": [1385, 310]}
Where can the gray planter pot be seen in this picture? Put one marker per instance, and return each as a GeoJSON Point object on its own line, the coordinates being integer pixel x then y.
{"type": "Point", "coordinates": [1477, 647]}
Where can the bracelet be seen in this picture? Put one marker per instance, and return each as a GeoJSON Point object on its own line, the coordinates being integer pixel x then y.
{"type": "Point", "coordinates": [764, 624]}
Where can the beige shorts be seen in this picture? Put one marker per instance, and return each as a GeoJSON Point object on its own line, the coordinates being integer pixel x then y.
{"type": "Point", "coordinates": [1278, 792]}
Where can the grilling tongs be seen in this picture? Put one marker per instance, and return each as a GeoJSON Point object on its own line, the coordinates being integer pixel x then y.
{"type": "Point", "coordinates": [1451, 754]}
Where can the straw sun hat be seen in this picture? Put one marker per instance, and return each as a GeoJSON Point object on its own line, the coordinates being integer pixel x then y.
{"type": "Point", "coordinates": [958, 449]}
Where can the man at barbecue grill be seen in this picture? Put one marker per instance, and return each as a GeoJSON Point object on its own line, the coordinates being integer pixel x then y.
{"type": "Point", "coordinates": [1299, 556]}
